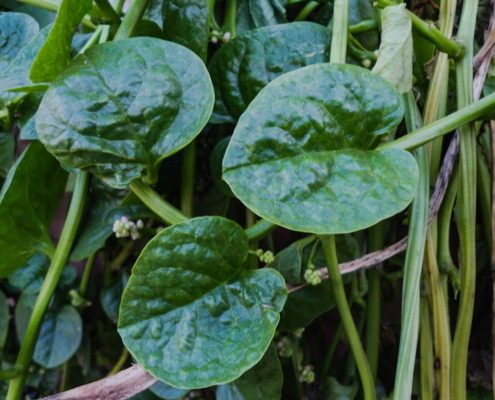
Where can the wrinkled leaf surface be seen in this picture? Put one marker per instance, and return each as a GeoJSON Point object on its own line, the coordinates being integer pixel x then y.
{"type": "Point", "coordinates": [301, 155]}
{"type": "Point", "coordinates": [191, 315]}
{"type": "Point", "coordinates": [246, 64]}
{"type": "Point", "coordinates": [114, 122]}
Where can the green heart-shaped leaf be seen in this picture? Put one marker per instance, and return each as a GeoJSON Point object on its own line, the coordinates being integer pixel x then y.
{"type": "Point", "coordinates": [191, 315]}
{"type": "Point", "coordinates": [246, 64]}
{"type": "Point", "coordinates": [124, 106]}
{"type": "Point", "coordinates": [301, 155]}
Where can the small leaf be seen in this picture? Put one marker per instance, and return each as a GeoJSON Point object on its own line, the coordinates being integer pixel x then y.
{"type": "Point", "coordinates": [28, 202]}
{"type": "Point", "coordinates": [111, 296]}
{"type": "Point", "coordinates": [252, 14]}
{"type": "Point", "coordinates": [338, 391]}
{"type": "Point", "coordinates": [186, 22]}
{"type": "Point", "coordinates": [191, 315]}
{"type": "Point", "coordinates": [114, 122]}
{"type": "Point", "coordinates": [396, 49]}
{"type": "Point", "coordinates": [359, 11]}
{"type": "Point", "coordinates": [16, 74]}
{"type": "Point", "coordinates": [263, 381]}
{"type": "Point", "coordinates": [60, 334]}
{"type": "Point", "coordinates": [29, 278]}
{"type": "Point", "coordinates": [301, 155]}
{"type": "Point", "coordinates": [246, 64]}
{"type": "Point", "coordinates": [54, 55]}
{"type": "Point", "coordinates": [4, 320]}
{"type": "Point", "coordinates": [167, 392]}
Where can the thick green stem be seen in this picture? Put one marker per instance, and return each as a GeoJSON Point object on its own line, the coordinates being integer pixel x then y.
{"type": "Point", "coordinates": [156, 203]}
{"type": "Point", "coordinates": [418, 226]}
{"type": "Point", "coordinates": [441, 328]}
{"type": "Point", "coordinates": [58, 262]}
{"type": "Point", "coordinates": [229, 23]}
{"type": "Point", "coordinates": [469, 113]}
{"type": "Point", "coordinates": [430, 32]}
{"type": "Point", "coordinates": [335, 280]}
{"type": "Point", "coordinates": [131, 19]}
{"type": "Point", "coordinates": [373, 302]}
{"type": "Point", "coordinates": [427, 361]}
{"type": "Point", "coordinates": [340, 31]}
{"type": "Point", "coordinates": [86, 274]}
{"type": "Point", "coordinates": [484, 187]}
{"type": "Point", "coordinates": [259, 230]}
{"type": "Point", "coordinates": [364, 26]}
{"type": "Point", "coordinates": [466, 205]}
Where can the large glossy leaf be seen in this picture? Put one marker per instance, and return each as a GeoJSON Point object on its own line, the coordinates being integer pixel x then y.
{"type": "Point", "coordinates": [301, 155]}
{"type": "Point", "coordinates": [395, 57]}
{"type": "Point", "coordinates": [114, 122]}
{"type": "Point", "coordinates": [28, 201]}
{"type": "Point", "coordinates": [16, 31]}
{"type": "Point", "coordinates": [4, 319]}
{"type": "Point", "coordinates": [263, 381]}
{"type": "Point", "coordinates": [16, 74]}
{"type": "Point", "coordinates": [246, 64]}
{"type": "Point", "coordinates": [54, 55]}
{"type": "Point", "coordinates": [191, 315]}
{"type": "Point", "coordinates": [186, 22]}
{"type": "Point", "coordinates": [60, 334]}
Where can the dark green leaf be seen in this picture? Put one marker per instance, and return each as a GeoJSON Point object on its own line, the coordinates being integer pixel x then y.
{"type": "Point", "coordinates": [252, 14]}
{"type": "Point", "coordinates": [263, 381]}
{"type": "Point", "coordinates": [186, 22]}
{"type": "Point", "coordinates": [111, 296]}
{"type": "Point", "coordinates": [246, 64]}
{"type": "Point", "coordinates": [154, 12]}
{"type": "Point", "coordinates": [290, 262]}
{"type": "Point", "coordinates": [16, 74]}
{"type": "Point", "coordinates": [306, 304]}
{"type": "Point", "coordinates": [30, 276]}
{"type": "Point", "coordinates": [216, 158]}
{"type": "Point", "coordinates": [191, 314]}
{"type": "Point", "coordinates": [60, 335]}
{"type": "Point", "coordinates": [114, 122]}
{"type": "Point", "coordinates": [301, 155]}
{"type": "Point", "coordinates": [167, 392]}
{"type": "Point", "coordinates": [27, 110]}
{"type": "Point", "coordinates": [54, 55]}
{"type": "Point", "coordinates": [4, 320]}
{"type": "Point", "coordinates": [7, 149]}
{"type": "Point", "coordinates": [28, 202]}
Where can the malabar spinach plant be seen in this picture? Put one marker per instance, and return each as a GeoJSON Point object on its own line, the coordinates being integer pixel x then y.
{"type": "Point", "coordinates": [181, 179]}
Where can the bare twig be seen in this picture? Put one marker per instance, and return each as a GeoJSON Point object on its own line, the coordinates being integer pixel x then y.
{"type": "Point", "coordinates": [123, 385]}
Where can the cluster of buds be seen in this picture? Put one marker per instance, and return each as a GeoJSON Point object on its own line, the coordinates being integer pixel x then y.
{"type": "Point", "coordinates": [306, 374]}
{"type": "Point", "coordinates": [265, 256]}
{"type": "Point", "coordinates": [312, 276]}
{"type": "Point", "coordinates": [284, 346]}
{"type": "Point", "coordinates": [124, 228]}
{"type": "Point", "coordinates": [215, 36]}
